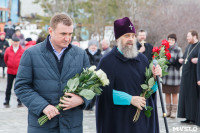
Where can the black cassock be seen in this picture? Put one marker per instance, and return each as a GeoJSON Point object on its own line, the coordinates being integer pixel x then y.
{"type": "Point", "coordinates": [198, 79]}
{"type": "Point", "coordinates": [189, 90]}
{"type": "Point", "coordinates": [125, 75]}
{"type": "Point", "coordinates": [198, 67]}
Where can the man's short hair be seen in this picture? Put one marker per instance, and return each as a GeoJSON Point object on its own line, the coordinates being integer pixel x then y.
{"type": "Point", "coordinates": [194, 33]}
{"type": "Point", "coordinates": [60, 18]}
{"type": "Point", "coordinates": [142, 31]}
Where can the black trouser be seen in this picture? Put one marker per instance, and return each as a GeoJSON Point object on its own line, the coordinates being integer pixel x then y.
{"type": "Point", "coordinates": [3, 71]}
{"type": "Point", "coordinates": [10, 80]}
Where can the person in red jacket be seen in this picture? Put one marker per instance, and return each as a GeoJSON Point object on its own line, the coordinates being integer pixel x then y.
{"type": "Point", "coordinates": [28, 43]}
{"type": "Point", "coordinates": [12, 58]}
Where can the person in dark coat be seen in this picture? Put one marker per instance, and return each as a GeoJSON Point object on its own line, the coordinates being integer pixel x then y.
{"type": "Point", "coordinates": [188, 95]}
{"type": "Point", "coordinates": [125, 68]}
{"type": "Point", "coordinates": [3, 46]}
{"type": "Point", "coordinates": [43, 73]}
{"type": "Point", "coordinates": [198, 83]}
{"type": "Point", "coordinates": [143, 46]}
{"type": "Point", "coordinates": [12, 58]}
{"type": "Point", "coordinates": [9, 29]}
{"type": "Point", "coordinates": [198, 69]}
{"type": "Point", "coordinates": [93, 52]}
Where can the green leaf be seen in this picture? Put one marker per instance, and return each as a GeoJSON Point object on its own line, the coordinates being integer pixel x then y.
{"type": "Point", "coordinates": [87, 77]}
{"type": "Point", "coordinates": [84, 85]}
{"type": "Point", "coordinates": [78, 90]}
{"type": "Point", "coordinates": [144, 86]}
{"type": "Point", "coordinates": [167, 62]}
{"type": "Point", "coordinates": [76, 76]}
{"type": "Point", "coordinates": [161, 61]}
{"type": "Point", "coordinates": [151, 82]}
{"type": "Point", "coordinates": [156, 54]}
{"type": "Point", "coordinates": [88, 94]}
{"type": "Point", "coordinates": [148, 73]}
{"type": "Point", "coordinates": [165, 68]}
{"type": "Point", "coordinates": [72, 84]}
{"type": "Point", "coordinates": [76, 83]}
{"type": "Point", "coordinates": [148, 94]}
{"type": "Point", "coordinates": [97, 90]}
{"type": "Point", "coordinates": [82, 77]}
{"type": "Point", "coordinates": [164, 73]}
{"type": "Point", "coordinates": [92, 87]}
{"type": "Point", "coordinates": [151, 65]}
{"type": "Point", "coordinates": [66, 89]}
{"type": "Point", "coordinates": [148, 110]}
{"type": "Point", "coordinates": [147, 113]}
{"type": "Point", "coordinates": [90, 82]}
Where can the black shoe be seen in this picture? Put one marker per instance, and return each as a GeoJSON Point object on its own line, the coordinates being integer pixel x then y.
{"type": "Point", "coordinates": [185, 121]}
{"type": "Point", "coordinates": [6, 103]}
{"type": "Point", "coordinates": [19, 104]}
{"type": "Point", "coordinates": [91, 109]}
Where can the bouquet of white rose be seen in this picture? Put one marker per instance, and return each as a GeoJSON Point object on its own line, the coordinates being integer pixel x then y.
{"type": "Point", "coordinates": [87, 85]}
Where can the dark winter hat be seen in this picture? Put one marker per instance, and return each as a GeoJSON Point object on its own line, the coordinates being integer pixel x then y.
{"type": "Point", "coordinates": [93, 42]}
{"type": "Point", "coordinates": [28, 39]}
{"type": "Point", "coordinates": [15, 39]}
{"type": "Point", "coordinates": [123, 26]}
{"type": "Point", "coordinates": [9, 19]}
{"type": "Point", "coordinates": [172, 36]}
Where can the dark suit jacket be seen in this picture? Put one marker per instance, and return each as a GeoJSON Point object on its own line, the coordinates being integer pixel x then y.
{"type": "Point", "coordinates": [39, 83]}
{"type": "Point", "coordinates": [148, 50]}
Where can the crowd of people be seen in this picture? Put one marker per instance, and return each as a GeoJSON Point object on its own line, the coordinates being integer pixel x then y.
{"type": "Point", "coordinates": [12, 46]}
{"type": "Point", "coordinates": [42, 71]}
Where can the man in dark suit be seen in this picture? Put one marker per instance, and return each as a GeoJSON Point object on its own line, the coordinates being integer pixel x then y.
{"type": "Point", "coordinates": [143, 46]}
{"type": "Point", "coordinates": [42, 75]}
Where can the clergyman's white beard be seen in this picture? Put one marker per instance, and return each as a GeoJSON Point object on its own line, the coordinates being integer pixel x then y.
{"type": "Point", "coordinates": [129, 51]}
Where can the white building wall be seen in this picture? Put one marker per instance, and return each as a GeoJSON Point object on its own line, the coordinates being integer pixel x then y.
{"type": "Point", "coordinates": [27, 8]}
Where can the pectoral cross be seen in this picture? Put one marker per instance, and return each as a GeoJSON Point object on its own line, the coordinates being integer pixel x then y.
{"type": "Point", "coordinates": [131, 26]}
{"type": "Point", "coordinates": [186, 61]}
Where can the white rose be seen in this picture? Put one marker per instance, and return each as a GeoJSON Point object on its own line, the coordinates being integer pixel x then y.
{"type": "Point", "coordinates": [105, 82]}
{"type": "Point", "coordinates": [99, 73]}
{"type": "Point", "coordinates": [103, 77]}
{"type": "Point", "coordinates": [92, 68]}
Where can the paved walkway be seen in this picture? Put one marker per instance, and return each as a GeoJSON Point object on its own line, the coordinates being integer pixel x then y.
{"type": "Point", "coordinates": [14, 119]}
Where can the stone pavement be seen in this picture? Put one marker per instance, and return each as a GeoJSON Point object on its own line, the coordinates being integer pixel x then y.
{"type": "Point", "coordinates": [14, 119]}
